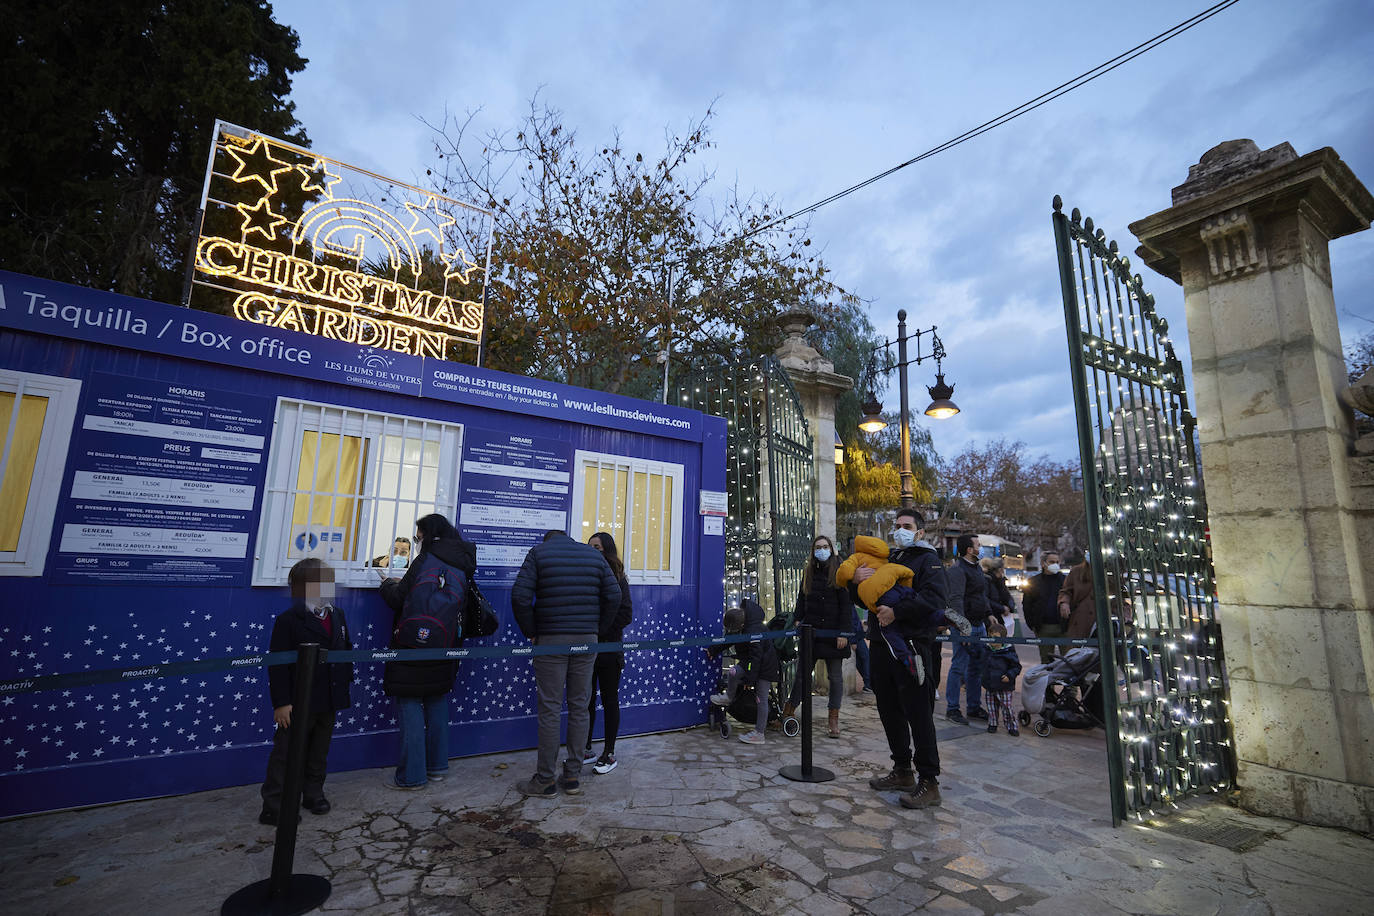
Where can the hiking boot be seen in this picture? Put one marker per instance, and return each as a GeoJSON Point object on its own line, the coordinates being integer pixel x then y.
{"type": "Point", "coordinates": [978, 712]}
{"type": "Point", "coordinates": [539, 788]}
{"type": "Point", "coordinates": [925, 795]}
{"type": "Point", "coordinates": [899, 778]}
{"type": "Point", "coordinates": [955, 715]}
{"type": "Point", "coordinates": [959, 621]}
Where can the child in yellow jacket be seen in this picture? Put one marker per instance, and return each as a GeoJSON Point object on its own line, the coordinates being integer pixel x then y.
{"type": "Point", "coordinates": [889, 585]}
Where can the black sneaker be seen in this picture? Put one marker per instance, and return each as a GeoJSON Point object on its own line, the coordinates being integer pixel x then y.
{"type": "Point", "coordinates": [899, 778]}
{"type": "Point", "coordinates": [925, 795]}
{"type": "Point", "coordinates": [955, 715]}
{"type": "Point", "coordinates": [992, 729]}
{"type": "Point", "coordinates": [978, 713]}
{"type": "Point", "coordinates": [1013, 731]}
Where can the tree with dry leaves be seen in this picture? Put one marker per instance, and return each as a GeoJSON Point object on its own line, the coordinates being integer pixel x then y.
{"type": "Point", "coordinates": [605, 259]}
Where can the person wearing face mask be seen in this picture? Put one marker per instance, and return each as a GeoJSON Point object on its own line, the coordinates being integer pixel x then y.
{"type": "Point", "coordinates": [825, 606]}
{"type": "Point", "coordinates": [906, 707]}
{"type": "Point", "coordinates": [312, 618]}
{"type": "Point", "coordinates": [968, 594]}
{"type": "Point", "coordinates": [1040, 605]}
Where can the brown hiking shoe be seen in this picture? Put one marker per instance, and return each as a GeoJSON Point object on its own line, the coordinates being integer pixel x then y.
{"type": "Point", "coordinates": [925, 795]}
{"type": "Point", "coordinates": [899, 778]}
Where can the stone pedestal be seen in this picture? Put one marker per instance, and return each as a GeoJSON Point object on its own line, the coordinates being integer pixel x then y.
{"type": "Point", "coordinates": [1247, 238]}
{"type": "Point", "coordinates": [818, 386]}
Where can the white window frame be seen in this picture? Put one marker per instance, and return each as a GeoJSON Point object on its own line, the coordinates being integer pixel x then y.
{"type": "Point", "coordinates": [295, 417]}
{"type": "Point", "coordinates": [582, 458]}
{"type": "Point", "coordinates": [35, 531]}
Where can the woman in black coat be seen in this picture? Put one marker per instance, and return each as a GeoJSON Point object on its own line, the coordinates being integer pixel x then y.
{"type": "Point", "coordinates": [421, 688]}
{"type": "Point", "coordinates": [609, 665]}
{"type": "Point", "coordinates": [825, 606]}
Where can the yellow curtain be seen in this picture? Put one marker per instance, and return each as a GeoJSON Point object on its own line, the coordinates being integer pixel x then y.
{"type": "Point", "coordinates": [329, 481]}
{"type": "Point", "coordinates": [23, 449]}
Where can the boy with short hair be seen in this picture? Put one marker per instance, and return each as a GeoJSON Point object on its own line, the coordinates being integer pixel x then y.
{"type": "Point", "coordinates": [312, 618]}
{"type": "Point", "coordinates": [999, 678]}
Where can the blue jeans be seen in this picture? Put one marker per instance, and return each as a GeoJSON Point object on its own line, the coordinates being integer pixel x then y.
{"type": "Point", "coordinates": [860, 650]}
{"type": "Point", "coordinates": [966, 670]}
{"type": "Point", "coordinates": [424, 738]}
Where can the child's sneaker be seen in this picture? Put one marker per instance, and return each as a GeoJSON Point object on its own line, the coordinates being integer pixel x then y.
{"type": "Point", "coordinates": [604, 765]}
{"type": "Point", "coordinates": [992, 728]}
{"type": "Point", "coordinates": [1013, 731]}
{"type": "Point", "coordinates": [959, 620]}
{"type": "Point", "coordinates": [720, 699]}
{"type": "Point", "coordinates": [754, 737]}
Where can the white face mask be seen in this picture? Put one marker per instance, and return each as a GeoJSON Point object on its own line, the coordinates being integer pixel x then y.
{"type": "Point", "coordinates": [1052, 568]}
{"type": "Point", "coordinates": [822, 553]}
{"type": "Point", "coordinates": [903, 537]}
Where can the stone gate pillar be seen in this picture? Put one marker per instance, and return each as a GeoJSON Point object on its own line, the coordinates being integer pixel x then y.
{"type": "Point", "coordinates": [818, 386]}
{"type": "Point", "coordinates": [1247, 237]}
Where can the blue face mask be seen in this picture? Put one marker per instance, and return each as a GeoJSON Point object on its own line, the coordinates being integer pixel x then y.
{"type": "Point", "coordinates": [822, 553]}
{"type": "Point", "coordinates": [903, 537]}
{"type": "Point", "coordinates": [399, 562]}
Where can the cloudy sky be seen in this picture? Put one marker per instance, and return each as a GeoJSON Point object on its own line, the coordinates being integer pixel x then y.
{"type": "Point", "coordinates": [811, 98]}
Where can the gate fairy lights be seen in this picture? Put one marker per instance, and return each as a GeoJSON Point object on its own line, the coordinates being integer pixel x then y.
{"type": "Point", "coordinates": [769, 477]}
{"type": "Point", "coordinates": [1168, 728]}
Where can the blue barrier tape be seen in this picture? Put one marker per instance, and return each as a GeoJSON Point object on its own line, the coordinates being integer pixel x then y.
{"type": "Point", "coordinates": [38, 683]}
{"type": "Point", "coordinates": [41, 682]}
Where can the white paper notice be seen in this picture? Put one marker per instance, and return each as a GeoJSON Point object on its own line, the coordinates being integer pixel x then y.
{"type": "Point", "coordinates": [714, 525]}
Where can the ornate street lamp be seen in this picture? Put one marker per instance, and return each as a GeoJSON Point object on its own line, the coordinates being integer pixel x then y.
{"type": "Point", "coordinates": [940, 407]}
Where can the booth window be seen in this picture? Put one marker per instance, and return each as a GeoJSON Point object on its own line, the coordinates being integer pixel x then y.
{"type": "Point", "coordinates": [345, 485]}
{"type": "Point", "coordinates": [639, 503]}
{"type": "Point", "coordinates": [36, 414]}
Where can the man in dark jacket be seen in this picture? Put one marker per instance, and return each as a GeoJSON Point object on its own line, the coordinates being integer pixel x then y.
{"type": "Point", "coordinates": [905, 707]}
{"type": "Point", "coordinates": [564, 594]}
{"type": "Point", "coordinates": [1040, 604]}
{"type": "Point", "coordinates": [312, 618]}
{"type": "Point", "coordinates": [968, 594]}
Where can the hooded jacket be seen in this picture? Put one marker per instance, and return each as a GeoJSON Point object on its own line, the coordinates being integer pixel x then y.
{"type": "Point", "coordinates": [872, 553]}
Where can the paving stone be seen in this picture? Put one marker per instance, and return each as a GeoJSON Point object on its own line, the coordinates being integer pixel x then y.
{"type": "Point", "coordinates": [971, 866]}
{"type": "Point", "coordinates": [845, 859]}
{"type": "Point", "coordinates": [865, 886]}
{"type": "Point", "coordinates": [953, 885]}
{"type": "Point", "coordinates": [657, 864]}
{"type": "Point", "coordinates": [874, 820]}
{"type": "Point", "coordinates": [802, 808]}
{"type": "Point", "coordinates": [856, 840]}
{"type": "Point", "coordinates": [1001, 893]}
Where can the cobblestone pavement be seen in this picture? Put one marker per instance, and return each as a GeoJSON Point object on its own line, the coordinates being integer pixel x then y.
{"type": "Point", "coordinates": [694, 823]}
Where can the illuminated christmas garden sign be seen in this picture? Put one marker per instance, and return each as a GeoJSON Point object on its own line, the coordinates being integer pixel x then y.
{"type": "Point", "coordinates": [296, 240]}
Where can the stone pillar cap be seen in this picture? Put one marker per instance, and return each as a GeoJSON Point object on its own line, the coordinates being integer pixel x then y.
{"type": "Point", "coordinates": [1237, 175]}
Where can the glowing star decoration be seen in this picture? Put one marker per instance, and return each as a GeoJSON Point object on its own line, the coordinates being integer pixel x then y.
{"type": "Point", "coordinates": [260, 219]}
{"type": "Point", "coordinates": [317, 177]}
{"type": "Point", "coordinates": [257, 164]}
{"type": "Point", "coordinates": [346, 254]}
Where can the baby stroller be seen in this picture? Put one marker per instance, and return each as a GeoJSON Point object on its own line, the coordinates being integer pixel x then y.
{"type": "Point", "coordinates": [744, 708]}
{"type": "Point", "coordinates": [1066, 693]}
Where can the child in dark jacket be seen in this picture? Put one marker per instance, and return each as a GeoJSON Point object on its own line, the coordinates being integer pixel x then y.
{"type": "Point", "coordinates": [756, 666]}
{"type": "Point", "coordinates": [311, 618]}
{"type": "Point", "coordinates": [999, 678]}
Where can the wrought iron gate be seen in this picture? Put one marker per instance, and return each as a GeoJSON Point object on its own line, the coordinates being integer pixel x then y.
{"type": "Point", "coordinates": [1168, 728]}
{"type": "Point", "coordinates": [769, 475]}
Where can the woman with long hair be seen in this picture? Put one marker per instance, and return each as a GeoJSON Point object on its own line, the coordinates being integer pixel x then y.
{"type": "Point", "coordinates": [826, 606]}
{"type": "Point", "coordinates": [606, 671]}
{"type": "Point", "coordinates": [421, 688]}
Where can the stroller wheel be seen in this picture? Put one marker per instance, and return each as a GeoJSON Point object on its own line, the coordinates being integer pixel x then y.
{"type": "Point", "coordinates": [1024, 717]}
{"type": "Point", "coordinates": [791, 727]}
{"type": "Point", "coordinates": [1042, 728]}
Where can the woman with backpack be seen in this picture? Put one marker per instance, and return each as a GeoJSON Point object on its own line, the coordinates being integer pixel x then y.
{"type": "Point", "coordinates": [421, 688]}
{"type": "Point", "coordinates": [826, 606]}
{"type": "Point", "coordinates": [609, 665]}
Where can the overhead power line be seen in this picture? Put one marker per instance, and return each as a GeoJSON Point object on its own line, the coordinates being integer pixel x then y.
{"type": "Point", "coordinates": [1011, 115]}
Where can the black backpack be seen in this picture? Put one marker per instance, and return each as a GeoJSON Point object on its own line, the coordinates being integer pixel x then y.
{"type": "Point", "coordinates": [432, 617]}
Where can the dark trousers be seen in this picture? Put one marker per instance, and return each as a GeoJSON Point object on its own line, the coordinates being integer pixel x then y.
{"type": "Point", "coordinates": [906, 710]}
{"type": "Point", "coordinates": [319, 731]}
{"type": "Point", "coordinates": [606, 681]}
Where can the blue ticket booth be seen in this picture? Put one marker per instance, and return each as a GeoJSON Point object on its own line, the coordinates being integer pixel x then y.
{"type": "Point", "coordinates": [164, 468]}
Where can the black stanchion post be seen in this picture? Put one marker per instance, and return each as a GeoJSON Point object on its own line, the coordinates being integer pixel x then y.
{"type": "Point", "coordinates": [284, 893]}
{"type": "Point", "coordinates": [806, 772]}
